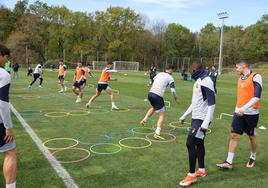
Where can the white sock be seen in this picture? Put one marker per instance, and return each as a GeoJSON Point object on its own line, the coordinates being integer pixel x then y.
{"type": "Point", "coordinates": [157, 130]}
{"type": "Point", "coordinates": [191, 174]}
{"type": "Point", "coordinates": [113, 104]}
{"type": "Point", "coordinates": [145, 119]}
{"type": "Point", "coordinates": [253, 156]}
{"type": "Point", "coordinates": [202, 169]}
{"type": "Point", "coordinates": [230, 157]}
{"type": "Point", "coordinates": [12, 185]}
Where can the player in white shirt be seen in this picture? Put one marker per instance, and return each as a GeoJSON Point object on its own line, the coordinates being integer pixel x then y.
{"type": "Point", "coordinates": [155, 96]}
{"type": "Point", "coordinates": [37, 74]}
{"type": "Point", "coordinates": [201, 109]}
{"type": "Point", "coordinates": [7, 136]}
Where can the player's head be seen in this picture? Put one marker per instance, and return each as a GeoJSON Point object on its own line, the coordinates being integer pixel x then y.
{"type": "Point", "coordinates": [170, 68]}
{"type": "Point", "coordinates": [242, 66]}
{"type": "Point", "coordinates": [79, 64]}
{"type": "Point", "coordinates": [110, 65]}
{"type": "Point", "coordinates": [195, 66]}
{"type": "Point", "coordinates": [4, 53]}
{"type": "Point", "coordinates": [61, 62]}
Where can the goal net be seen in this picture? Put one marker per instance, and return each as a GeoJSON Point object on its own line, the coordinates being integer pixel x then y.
{"type": "Point", "coordinates": [126, 65]}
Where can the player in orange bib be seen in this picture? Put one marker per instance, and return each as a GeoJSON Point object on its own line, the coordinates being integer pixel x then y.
{"type": "Point", "coordinates": [246, 116]}
{"type": "Point", "coordinates": [78, 82]}
{"type": "Point", "coordinates": [87, 74]}
{"type": "Point", "coordinates": [103, 85]}
{"type": "Point", "coordinates": [61, 76]}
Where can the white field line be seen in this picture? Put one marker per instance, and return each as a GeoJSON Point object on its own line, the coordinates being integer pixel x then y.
{"type": "Point", "coordinates": [60, 170]}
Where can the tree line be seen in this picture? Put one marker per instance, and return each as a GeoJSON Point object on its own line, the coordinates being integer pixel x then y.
{"type": "Point", "coordinates": [38, 33]}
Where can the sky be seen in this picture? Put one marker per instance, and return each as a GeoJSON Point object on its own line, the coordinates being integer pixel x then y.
{"type": "Point", "coordinates": [194, 14]}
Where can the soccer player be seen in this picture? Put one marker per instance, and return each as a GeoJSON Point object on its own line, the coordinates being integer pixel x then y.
{"type": "Point", "coordinates": [78, 82]}
{"type": "Point", "coordinates": [37, 74]}
{"type": "Point", "coordinates": [202, 109]}
{"type": "Point", "coordinates": [7, 141]}
{"type": "Point", "coordinates": [155, 96]}
{"type": "Point", "coordinates": [61, 76]}
{"type": "Point", "coordinates": [103, 85]}
{"type": "Point", "coordinates": [246, 115]}
{"type": "Point", "coordinates": [87, 74]}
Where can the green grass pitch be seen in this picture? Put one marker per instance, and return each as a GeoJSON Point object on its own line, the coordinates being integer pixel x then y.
{"type": "Point", "coordinates": [162, 165]}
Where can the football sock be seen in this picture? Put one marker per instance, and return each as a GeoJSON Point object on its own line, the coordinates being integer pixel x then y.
{"type": "Point", "coordinates": [230, 157]}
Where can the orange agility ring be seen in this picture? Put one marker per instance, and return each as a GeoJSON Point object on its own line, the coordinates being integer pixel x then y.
{"type": "Point", "coordinates": [88, 154]}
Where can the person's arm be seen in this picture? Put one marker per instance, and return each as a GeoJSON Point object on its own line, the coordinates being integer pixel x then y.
{"type": "Point", "coordinates": [5, 111]}
{"type": "Point", "coordinates": [208, 92]}
{"type": "Point", "coordinates": [111, 71]}
{"type": "Point", "coordinates": [173, 91]}
{"type": "Point", "coordinates": [257, 81]}
{"type": "Point", "coordinates": [186, 114]}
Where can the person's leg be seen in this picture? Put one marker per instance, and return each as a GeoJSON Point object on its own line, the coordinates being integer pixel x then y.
{"type": "Point", "coordinates": [200, 148]}
{"type": "Point", "coordinates": [192, 153]}
{"type": "Point", "coordinates": [41, 81]}
{"type": "Point", "coordinates": [33, 81]}
{"type": "Point", "coordinates": [160, 122]}
{"type": "Point", "coordinates": [253, 147]}
{"type": "Point", "coordinates": [10, 166]}
{"type": "Point", "coordinates": [93, 98]}
{"type": "Point", "coordinates": [111, 93]}
{"type": "Point", "coordinates": [149, 114]}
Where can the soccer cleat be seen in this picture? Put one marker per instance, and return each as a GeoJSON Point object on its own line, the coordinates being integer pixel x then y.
{"type": "Point", "coordinates": [225, 165]}
{"type": "Point", "coordinates": [61, 91]}
{"type": "Point", "coordinates": [29, 86]}
{"type": "Point", "coordinates": [251, 163]}
{"type": "Point", "coordinates": [115, 108]}
{"type": "Point", "coordinates": [88, 104]}
{"type": "Point", "coordinates": [158, 137]}
{"type": "Point", "coordinates": [40, 86]}
{"type": "Point", "coordinates": [200, 173]}
{"type": "Point", "coordinates": [78, 100]}
{"type": "Point", "coordinates": [188, 180]}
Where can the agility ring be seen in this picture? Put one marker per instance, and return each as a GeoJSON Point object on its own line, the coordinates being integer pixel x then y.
{"type": "Point", "coordinates": [173, 124]}
{"type": "Point", "coordinates": [109, 134]}
{"type": "Point", "coordinates": [208, 131]}
{"type": "Point", "coordinates": [78, 113]}
{"type": "Point", "coordinates": [104, 137]}
{"type": "Point", "coordinates": [136, 130]}
{"type": "Point", "coordinates": [98, 110]}
{"type": "Point", "coordinates": [62, 148]}
{"type": "Point", "coordinates": [73, 161]}
{"type": "Point", "coordinates": [135, 147]}
{"type": "Point", "coordinates": [58, 114]}
{"type": "Point", "coordinates": [119, 148]}
{"type": "Point", "coordinates": [173, 138]}
{"type": "Point", "coordinates": [121, 110]}
{"type": "Point", "coordinates": [31, 97]}
{"type": "Point", "coordinates": [164, 128]}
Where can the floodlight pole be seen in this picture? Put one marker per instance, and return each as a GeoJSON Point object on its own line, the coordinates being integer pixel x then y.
{"type": "Point", "coordinates": [222, 16]}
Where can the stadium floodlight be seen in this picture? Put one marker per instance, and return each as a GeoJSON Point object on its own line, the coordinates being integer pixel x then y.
{"type": "Point", "coordinates": [222, 16]}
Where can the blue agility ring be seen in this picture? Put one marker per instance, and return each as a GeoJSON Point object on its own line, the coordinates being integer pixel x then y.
{"type": "Point", "coordinates": [105, 138]}
{"type": "Point", "coordinates": [109, 134]}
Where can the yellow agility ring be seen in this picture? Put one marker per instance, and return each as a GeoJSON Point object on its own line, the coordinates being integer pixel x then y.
{"type": "Point", "coordinates": [88, 154]}
{"type": "Point", "coordinates": [172, 138]}
{"type": "Point", "coordinates": [78, 113]}
{"type": "Point", "coordinates": [135, 147]}
{"type": "Point", "coordinates": [57, 114]}
{"type": "Point", "coordinates": [176, 124]}
{"type": "Point", "coordinates": [121, 110]}
{"type": "Point", "coordinates": [60, 148]}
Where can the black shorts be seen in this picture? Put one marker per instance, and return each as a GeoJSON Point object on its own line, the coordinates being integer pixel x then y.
{"type": "Point", "coordinates": [245, 123]}
{"type": "Point", "coordinates": [102, 87]}
{"type": "Point", "coordinates": [195, 129]}
{"type": "Point", "coordinates": [2, 134]}
{"type": "Point", "coordinates": [36, 75]}
{"type": "Point", "coordinates": [61, 78]}
{"type": "Point", "coordinates": [78, 84]}
{"type": "Point", "coordinates": [156, 101]}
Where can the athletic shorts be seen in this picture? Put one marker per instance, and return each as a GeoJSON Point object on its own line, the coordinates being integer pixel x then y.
{"type": "Point", "coordinates": [36, 75]}
{"type": "Point", "coordinates": [195, 129]}
{"type": "Point", "coordinates": [245, 123]}
{"type": "Point", "coordinates": [102, 87]}
{"type": "Point", "coordinates": [3, 146]}
{"type": "Point", "coordinates": [78, 84]}
{"type": "Point", "coordinates": [157, 102]}
{"type": "Point", "coordinates": [61, 78]}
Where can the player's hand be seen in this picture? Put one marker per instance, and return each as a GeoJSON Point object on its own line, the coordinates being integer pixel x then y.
{"type": "Point", "coordinates": [240, 112]}
{"type": "Point", "coordinates": [182, 120]}
{"type": "Point", "coordinates": [176, 100]}
{"type": "Point", "coordinates": [9, 136]}
{"type": "Point", "coordinates": [203, 130]}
